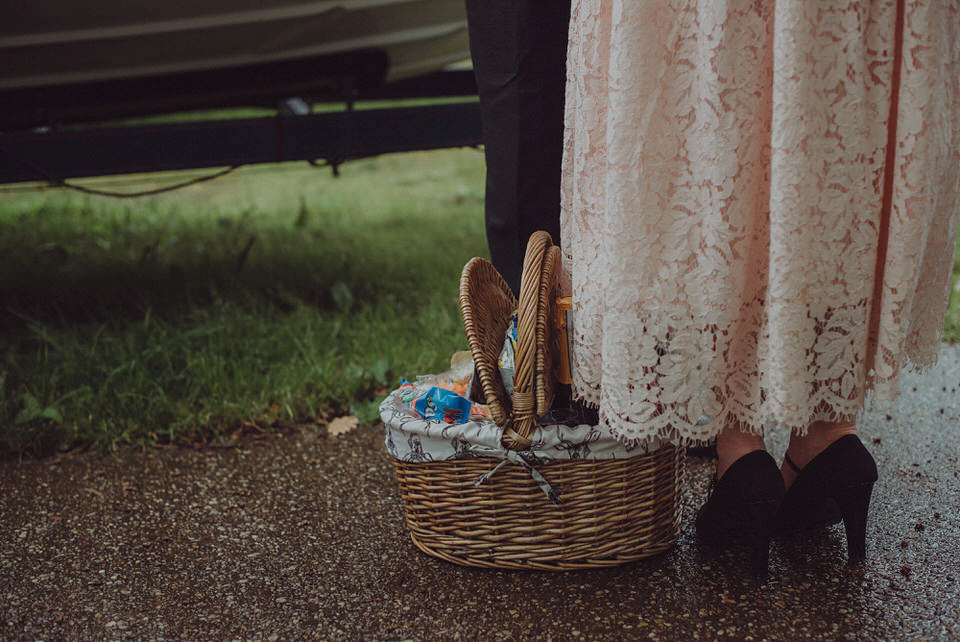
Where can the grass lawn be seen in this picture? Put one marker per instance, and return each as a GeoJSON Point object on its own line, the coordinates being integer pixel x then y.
{"type": "Point", "coordinates": [271, 296]}
{"type": "Point", "coordinates": [275, 294]}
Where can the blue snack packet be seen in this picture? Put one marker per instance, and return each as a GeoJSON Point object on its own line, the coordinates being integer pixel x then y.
{"type": "Point", "coordinates": [437, 404]}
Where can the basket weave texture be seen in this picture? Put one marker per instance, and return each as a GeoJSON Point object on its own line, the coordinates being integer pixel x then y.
{"type": "Point", "coordinates": [486, 304]}
{"type": "Point", "coordinates": [612, 511]}
{"type": "Point", "coordinates": [530, 336]}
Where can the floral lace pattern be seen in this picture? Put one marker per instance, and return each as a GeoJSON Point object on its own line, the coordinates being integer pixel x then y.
{"type": "Point", "coordinates": [759, 206]}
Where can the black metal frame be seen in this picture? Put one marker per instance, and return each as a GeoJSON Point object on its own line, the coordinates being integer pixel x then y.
{"type": "Point", "coordinates": [56, 155]}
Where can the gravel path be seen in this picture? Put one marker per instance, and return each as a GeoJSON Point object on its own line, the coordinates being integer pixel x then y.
{"type": "Point", "coordinates": [301, 536]}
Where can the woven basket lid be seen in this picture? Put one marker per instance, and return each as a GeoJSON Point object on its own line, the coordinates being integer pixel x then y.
{"type": "Point", "coordinates": [548, 339]}
{"type": "Point", "coordinates": [487, 304]}
{"type": "Point", "coordinates": [533, 385]}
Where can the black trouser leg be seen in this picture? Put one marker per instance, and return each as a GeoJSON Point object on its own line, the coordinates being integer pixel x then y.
{"type": "Point", "coordinates": [519, 57]}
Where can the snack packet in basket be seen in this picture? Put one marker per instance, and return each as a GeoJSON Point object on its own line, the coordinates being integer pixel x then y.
{"type": "Point", "coordinates": [407, 393]}
{"type": "Point", "coordinates": [438, 404]}
{"type": "Point", "coordinates": [443, 397]}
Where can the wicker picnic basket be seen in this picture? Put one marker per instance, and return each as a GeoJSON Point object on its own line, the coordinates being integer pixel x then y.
{"type": "Point", "coordinates": [610, 511]}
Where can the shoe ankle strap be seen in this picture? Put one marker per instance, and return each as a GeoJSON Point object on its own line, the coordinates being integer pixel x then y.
{"type": "Point", "coordinates": [790, 463]}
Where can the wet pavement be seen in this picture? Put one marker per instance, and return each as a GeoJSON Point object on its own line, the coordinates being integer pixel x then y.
{"type": "Point", "coordinates": [301, 536]}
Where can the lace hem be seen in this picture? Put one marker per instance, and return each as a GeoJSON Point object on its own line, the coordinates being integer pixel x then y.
{"type": "Point", "coordinates": [759, 207]}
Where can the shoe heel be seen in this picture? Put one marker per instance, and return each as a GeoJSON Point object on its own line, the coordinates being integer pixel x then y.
{"type": "Point", "coordinates": [764, 517]}
{"type": "Point", "coordinates": [741, 509]}
{"type": "Point", "coordinates": [854, 504]}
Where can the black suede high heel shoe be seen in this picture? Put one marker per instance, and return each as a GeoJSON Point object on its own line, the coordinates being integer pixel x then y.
{"type": "Point", "coordinates": [835, 485]}
{"type": "Point", "coordinates": [742, 507]}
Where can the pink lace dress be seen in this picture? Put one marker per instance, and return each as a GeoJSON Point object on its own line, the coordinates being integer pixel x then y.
{"type": "Point", "coordinates": [759, 206]}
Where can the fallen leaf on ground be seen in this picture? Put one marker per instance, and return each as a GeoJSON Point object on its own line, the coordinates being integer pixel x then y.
{"type": "Point", "coordinates": [342, 425]}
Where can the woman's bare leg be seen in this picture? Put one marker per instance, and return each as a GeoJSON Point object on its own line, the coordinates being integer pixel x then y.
{"type": "Point", "coordinates": [732, 444]}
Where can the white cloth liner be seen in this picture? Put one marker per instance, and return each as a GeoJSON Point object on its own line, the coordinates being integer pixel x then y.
{"type": "Point", "coordinates": [413, 439]}
{"type": "Point", "coordinates": [410, 438]}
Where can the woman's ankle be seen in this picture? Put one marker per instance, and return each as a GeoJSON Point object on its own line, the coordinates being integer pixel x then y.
{"type": "Point", "coordinates": [732, 444]}
{"type": "Point", "coordinates": [819, 436]}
